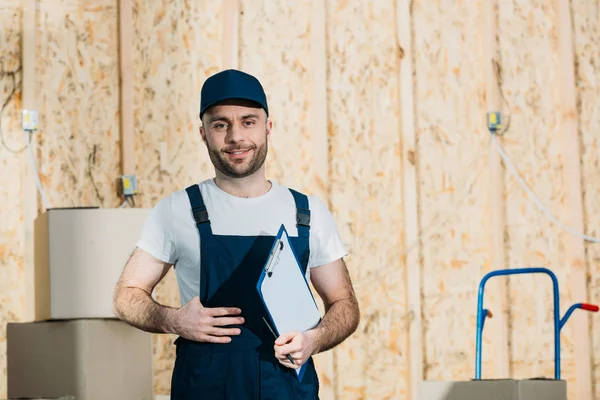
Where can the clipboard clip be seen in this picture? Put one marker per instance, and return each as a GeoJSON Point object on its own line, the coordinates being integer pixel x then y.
{"type": "Point", "coordinates": [274, 259]}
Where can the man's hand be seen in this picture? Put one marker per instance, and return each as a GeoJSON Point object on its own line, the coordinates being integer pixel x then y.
{"type": "Point", "coordinates": [341, 318]}
{"type": "Point", "coordinates": [203, 324]}
{"type": "Point", "coordinates": [134, 304]}
{"type": "Point", "coordinates": [300, 346]}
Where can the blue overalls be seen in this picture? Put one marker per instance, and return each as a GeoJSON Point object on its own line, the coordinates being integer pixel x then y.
{"type": "Point", "coordinates": [246, 367]}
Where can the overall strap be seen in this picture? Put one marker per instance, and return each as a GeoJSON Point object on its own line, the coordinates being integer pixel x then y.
{"type": "Point", "coordinates": [199, 210]}
{"type": "Point", "coordinates": [302, 214]}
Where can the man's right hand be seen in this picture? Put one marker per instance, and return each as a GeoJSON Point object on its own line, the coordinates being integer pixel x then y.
{"type": "Point", "coordinates": [204, 324]}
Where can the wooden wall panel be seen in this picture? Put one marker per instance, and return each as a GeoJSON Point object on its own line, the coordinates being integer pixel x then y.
{"type": "Point", "coordinates": [586, 33]}
{"type": "Point", "coordinates": [282, 62]}
{"type": "Point", "coordinates": [79, 98]}
{"type": "Point", "coordinates": [176, 46]}
{"type": "Point", "coordinates": [528, 46]}
{"type": "Point", "coordinates": [12, 230]}
{"type": "Point", "coordinates": [410, 193]}
{"type": "Point", "coordinates": [364, 127]}
{"type": "Point", "coordinates": [497, 290]}
{"type": "Point", "coordinates": [452, 154]}
{"type": "Point", "coordinates": [579, 327]}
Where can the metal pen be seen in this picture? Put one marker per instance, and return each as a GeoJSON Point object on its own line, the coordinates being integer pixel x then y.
{"type": "Point", "coordinates": [289, 357]}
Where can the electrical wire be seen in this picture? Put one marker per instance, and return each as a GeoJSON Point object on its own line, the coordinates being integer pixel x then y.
{"type": "Point", "coordinates": [91, 161]}
{"type": "Point", "coordinates": [536, 200]}
{"type": "Point", "coordinates": [4, 105]}
{"type": "Point", "coordinates": [37, 177]}
{"type": "Point", "coordinates": [28, 140]}
{"type": "Point", "coordinates": [513, 170]}
{"type": "Point", "coordinates": [129, 200]}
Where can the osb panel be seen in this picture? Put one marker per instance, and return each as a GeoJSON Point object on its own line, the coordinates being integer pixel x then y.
{"type": "Point", "coordinates": [586, 31]}
{"type": "Point", "coordinates": [529, 62]}
{"type": "Point", "coordinates": [445, 370]}
{"type": "Point", "coordinates": [12, 233]}
{"type": "Point", "coordinates": [363, 106]}
{"type": "Point", "coordinates": [455, 348]}
{"type": "Point", "coordinates": [373, 362]}
{"type": "Point", "coordinates": [78, 93]}
{"type": "Point", "coordinates": [452, 154]}
{"type": "Point", "coordinates": [176, 45]}
{"type": "Point", "coordinates": [275, 41]}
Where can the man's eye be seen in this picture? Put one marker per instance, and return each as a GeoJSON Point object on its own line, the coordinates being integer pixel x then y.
{"type": "Point", "coordinates": [219, 126]}
{"type": "Point", "coordinates": [248, 123]}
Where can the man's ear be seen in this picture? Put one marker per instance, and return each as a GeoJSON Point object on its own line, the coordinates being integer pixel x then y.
{"type": "Point", "coordinates": [202, 133]}
{"type": "Point", "coordinates": [269, 127]}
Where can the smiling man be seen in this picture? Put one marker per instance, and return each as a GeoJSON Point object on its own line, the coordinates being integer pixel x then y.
{"type": "Point", "coordinates": [217, 234]}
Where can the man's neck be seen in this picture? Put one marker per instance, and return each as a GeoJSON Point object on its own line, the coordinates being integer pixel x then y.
{"type": "Point", "coordinates": [251, 186]}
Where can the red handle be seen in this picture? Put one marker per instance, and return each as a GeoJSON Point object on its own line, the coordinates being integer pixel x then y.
{"type": "Point", "coordinates": [589, 307]}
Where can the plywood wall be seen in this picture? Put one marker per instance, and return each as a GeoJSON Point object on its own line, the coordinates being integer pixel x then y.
{"type": "Point", "coordinates": [363, 100]}
{"type": "Point", "coordinates": [12, 161]}
{"type": "Point", "coordinates": [78, 94]}
{"type": "Point", "coordinates": [271, 60]}
{"type": "Point", "coordinates": [586, 28]}
{"type": "Point", "coordinates": [452, 151]}
{"type": "Point", "coordinates": [337, 133]}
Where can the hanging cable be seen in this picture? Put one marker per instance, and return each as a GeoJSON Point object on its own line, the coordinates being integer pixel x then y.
{"type": "Point", "coordinates": [4, 105]}
{"type": "Point", "coordinates": [37, 176]}
{"type": "Point", "coordinates": [536, 200]}
{"type": "Point", "coordinates": [92, 161]}
{"type": "Point", "coordinates": [498, 128]}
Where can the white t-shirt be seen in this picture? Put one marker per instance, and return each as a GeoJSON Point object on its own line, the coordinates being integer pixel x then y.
{"type": "Point", "coordinates": [171, 235]}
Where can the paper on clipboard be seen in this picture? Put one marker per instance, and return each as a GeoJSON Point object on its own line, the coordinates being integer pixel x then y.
{"type": "Point", "coordinates": [284, 290]}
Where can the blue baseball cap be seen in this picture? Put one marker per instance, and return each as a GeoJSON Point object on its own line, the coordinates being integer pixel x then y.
{"type": "Point", "coordinates": [231, 84]}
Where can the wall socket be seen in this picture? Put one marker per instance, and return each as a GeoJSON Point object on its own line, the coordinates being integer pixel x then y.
{"type": "Point", "coordinates": [29, 120]}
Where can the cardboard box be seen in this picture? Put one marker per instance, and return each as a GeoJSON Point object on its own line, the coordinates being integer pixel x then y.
{"type": "Point", "coordinates": [44, 398]}
{"type": "Point", "coordinates": [79, 256]}
{"type": "Point", "coordinates": [89, 359]}
{"type": "Point", "coordinates": [494, 389]}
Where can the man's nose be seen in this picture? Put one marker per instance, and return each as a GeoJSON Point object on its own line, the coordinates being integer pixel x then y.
{"type": "Point", "coordinates": [234, 133]}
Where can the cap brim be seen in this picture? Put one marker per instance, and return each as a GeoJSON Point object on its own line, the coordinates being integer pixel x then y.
{"type": "Point", "coordinates": [232, 100]}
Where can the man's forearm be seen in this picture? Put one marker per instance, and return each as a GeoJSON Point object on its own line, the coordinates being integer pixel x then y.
{"type": "Point", "coordinates": [339, 322]}
{"type": "Point", "coordinates": [138, 308]}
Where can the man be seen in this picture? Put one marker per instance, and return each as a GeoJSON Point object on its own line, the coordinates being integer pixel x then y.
{"type": "Point", "coordinates": [217, 234]}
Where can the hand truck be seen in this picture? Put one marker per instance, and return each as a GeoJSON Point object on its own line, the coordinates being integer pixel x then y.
{"type": "Point", "coordinates": [482, 314]}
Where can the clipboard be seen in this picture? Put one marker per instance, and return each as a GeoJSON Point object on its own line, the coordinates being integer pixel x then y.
{"type": "Point", "coordinates": [285, 293]}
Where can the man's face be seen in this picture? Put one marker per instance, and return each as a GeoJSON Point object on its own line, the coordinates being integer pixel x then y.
{"type": "Point", "coordinates": [236, 138]}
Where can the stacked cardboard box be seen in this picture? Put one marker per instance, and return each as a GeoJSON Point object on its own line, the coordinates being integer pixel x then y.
{"type": "Point", "coordinates": [494, 389]}
{"type": "Point", "coordinates": [75, 346]}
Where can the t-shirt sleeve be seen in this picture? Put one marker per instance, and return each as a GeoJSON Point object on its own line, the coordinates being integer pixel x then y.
{"type": "Point", "coordinates": [325, 242]}
{"type": "Point", "coordinates": [157, 237]}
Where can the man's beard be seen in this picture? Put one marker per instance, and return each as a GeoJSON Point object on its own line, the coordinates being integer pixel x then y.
{"type": "Point", "coordinates": [234, 170]}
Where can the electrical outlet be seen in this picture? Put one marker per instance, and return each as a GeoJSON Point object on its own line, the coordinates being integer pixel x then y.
{"type": "Point", "coordinates": [494, 121]}
{"type": "Point", "coordinates": [29, 120]}
{"type": "Point", "coordinates": [129, 185]}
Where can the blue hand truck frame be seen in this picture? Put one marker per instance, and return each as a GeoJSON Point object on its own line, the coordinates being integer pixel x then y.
{"type": "Point", "coordinates": [482, 314]}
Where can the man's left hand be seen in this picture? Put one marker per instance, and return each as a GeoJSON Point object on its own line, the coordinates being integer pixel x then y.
{"type": "Point", "coordinates": [300, 346]}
